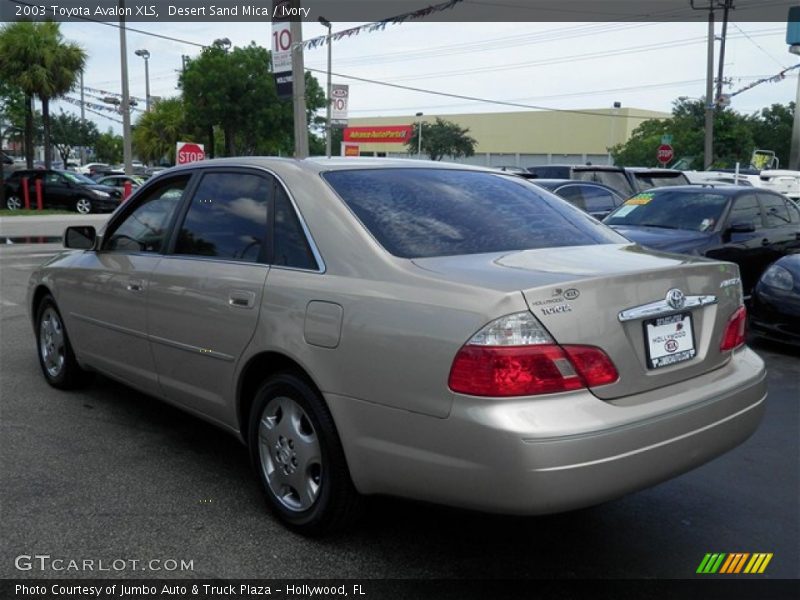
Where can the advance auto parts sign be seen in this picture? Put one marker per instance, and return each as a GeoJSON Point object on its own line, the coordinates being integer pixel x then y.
{"type": "Point", "coordinates": [379, 134]}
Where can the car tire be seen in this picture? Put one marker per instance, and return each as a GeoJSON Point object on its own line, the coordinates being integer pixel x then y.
{"type": "Point", "coordinates": [59, 366]}
{"type": "Point", "coordinates": [13, 203]}
{"type": "Point", "coordinates": [299, 459]}
{"type": "Point", "coordinates": [83, 206]}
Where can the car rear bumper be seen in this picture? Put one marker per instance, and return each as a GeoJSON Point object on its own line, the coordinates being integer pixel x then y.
{"type": "Point", "coordinates": [555, 453]}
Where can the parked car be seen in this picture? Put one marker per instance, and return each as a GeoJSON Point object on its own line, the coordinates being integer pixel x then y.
{"type": "Point", "coordinates": [91, 168]}
{"type": "Point", "coordinates": [6, 159]}
{"type": "Point", "coordinates": [437, 332]}
{"type": "Point", "coordinates": [613, 177]}
{"type": "Point", "coordinates": [748, 226]}
{"type": "Point", "coordinates": [118, 181]}
{"type": "Point", "coordinates": [60, 189]}
{"type": "Point", "coordinates": [594, 198]}
{"type": "Point", "coordinates": [645, 178]}
{"type": "Point", "coordinates": [776, 302]}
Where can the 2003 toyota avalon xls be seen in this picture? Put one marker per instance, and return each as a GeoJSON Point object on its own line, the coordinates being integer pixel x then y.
{"type": "Point", "coordinates": [437, 332]}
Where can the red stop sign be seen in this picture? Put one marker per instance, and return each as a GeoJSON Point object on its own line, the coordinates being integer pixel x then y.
{"type": "Point", "coordinates": [189, 152]}
{"type": "Point", "coordinates": [665, 153]}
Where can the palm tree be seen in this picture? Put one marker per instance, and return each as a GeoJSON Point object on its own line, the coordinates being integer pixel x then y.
{"type": "Point", "coordinates": [36, 58]}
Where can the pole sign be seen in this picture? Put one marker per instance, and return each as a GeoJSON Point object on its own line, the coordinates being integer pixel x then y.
{"type": "Point", "coordinates": [339, 97]}
{"type": "Point", "coordinates": [189, 152]}
{"type": "Point", "coordinates": [793, 27]}
{"type": "Point", "coordinates": [282, 51]}
{"type": "Point", "coordinates": [351, 150]}
{"type": "Point", "coordinates": [665, 154]}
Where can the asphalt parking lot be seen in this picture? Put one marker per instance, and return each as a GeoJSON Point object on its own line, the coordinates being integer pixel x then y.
{"type": "Point", "coordinates": [108, 473]}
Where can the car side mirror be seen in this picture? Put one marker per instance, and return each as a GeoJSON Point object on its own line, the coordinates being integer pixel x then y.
{"type": "Point", "coordinates": [82, 237]}
{"type": "Point", "coordinates": [742, 227]}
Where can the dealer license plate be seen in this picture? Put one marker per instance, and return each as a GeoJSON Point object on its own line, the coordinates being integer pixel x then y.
{"type": "Point", "coordinates": [669, 340]}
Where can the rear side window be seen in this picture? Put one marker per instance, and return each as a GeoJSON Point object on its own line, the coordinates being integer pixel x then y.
{"type": "Point", "coordinates": [227, 218]}
{"type": "Point", "coordinates": [775, 211]}
{"type": "Point", "coordinates": [291, 246]}
{"type": "Point", "coordinates": [613, 179]}
{"type": "Point", "coordinates": [418, 213]}
{"type": "Point", "coordinates": [746, 210]}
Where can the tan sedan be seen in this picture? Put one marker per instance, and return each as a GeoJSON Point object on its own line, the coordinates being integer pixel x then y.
{"type": "Point", "coordinates": [438, 332]}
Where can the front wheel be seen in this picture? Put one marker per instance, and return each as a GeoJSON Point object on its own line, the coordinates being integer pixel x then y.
{"type": "Point", "coordinates": [299, 458]}
{"type": "Point", "coordinates": [13, 203]}
{"type": "Point", "coordinates": [83, 206]}
{"type": "Point", "coordinates": [56, 357]}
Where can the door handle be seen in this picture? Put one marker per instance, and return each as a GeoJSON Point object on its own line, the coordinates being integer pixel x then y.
{"type": "Point", "coordinates": [242, 299]}
{"type": "Point", "coordinates": [135, 285]}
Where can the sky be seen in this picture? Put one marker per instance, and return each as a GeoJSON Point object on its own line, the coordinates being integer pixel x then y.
{"type": "Point", "coordinates": [547, 65]}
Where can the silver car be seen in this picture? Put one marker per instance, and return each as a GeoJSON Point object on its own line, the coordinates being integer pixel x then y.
{"type": "Point", "coordinates": [437, 332]}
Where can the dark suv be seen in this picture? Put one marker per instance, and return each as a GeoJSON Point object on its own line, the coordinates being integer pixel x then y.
{"type": "Point", "coordinates": [614, 177]}
{"type": "Point", "coordinates": [61, 189]}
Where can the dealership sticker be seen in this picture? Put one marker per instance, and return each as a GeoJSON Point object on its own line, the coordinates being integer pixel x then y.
{"type": "Point", "coordinates": [639, 200]}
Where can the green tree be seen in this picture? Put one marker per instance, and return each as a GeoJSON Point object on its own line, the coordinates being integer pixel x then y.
{"type": "Point", "coordinates": [235, 91]}
{"type": "Point", "coordinates": [36, 58]}
{"type": "Point", "coordinates": [157, 132]}
{"type": "Point", "coordinates": [108, 147]}
{"type": "Point", "coordinates": [68, 131]}
{"type": "Point", "coordinates": [442, 138]}
{"type": "Point", "coordinates": [735, 135]}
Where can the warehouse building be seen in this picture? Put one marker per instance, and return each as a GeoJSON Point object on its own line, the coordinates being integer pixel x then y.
{"type": "Point", "coordinates": [520, 139]}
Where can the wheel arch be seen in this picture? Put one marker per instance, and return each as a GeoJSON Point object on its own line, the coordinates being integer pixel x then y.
{"type": "Point", "coordinates": [36, 300]}
{"type": "Point", "coordinates": [255, 372]}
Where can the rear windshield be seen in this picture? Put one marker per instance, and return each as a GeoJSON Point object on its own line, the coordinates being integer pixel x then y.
{"type": "Point", "coordinates": [613, 179]}
{"type": "Point", "coordinates": [694, 211]}
{"type": "Point", "coordinates": [645, 181]}
{"type": "Point", "coordinates": [420, 213]}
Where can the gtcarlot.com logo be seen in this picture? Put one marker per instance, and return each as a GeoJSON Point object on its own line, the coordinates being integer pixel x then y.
{"type": "Point", "coordinates": [722, 563]}
{"type": "Point", "coordinates": [45, 562]}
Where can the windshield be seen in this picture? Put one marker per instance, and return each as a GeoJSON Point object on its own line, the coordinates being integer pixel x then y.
{"type": "Point", "coordinates": [692, 211]}
{"type": "Point", "coordinates": [420, 213]}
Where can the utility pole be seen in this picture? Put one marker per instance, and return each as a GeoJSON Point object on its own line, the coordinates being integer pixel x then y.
{"type": "Point", "coordinates": [710, 105]}
{"type": "Point", "coordinates": [83, 125]}
{"type": "Point", "coordinates": [125, 107]}
{"type": "Point", "coordinates": [299, 87]}
{"type": "Point", "coordinates": [794, 152]}
{"type": "Point", "coordinates": [728, 4]}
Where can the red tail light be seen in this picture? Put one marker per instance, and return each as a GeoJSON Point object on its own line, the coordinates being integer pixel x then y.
{"type": "Point", "coordinates": [528, 370]}
{"type": "Point", "coordinates": [735, 330]}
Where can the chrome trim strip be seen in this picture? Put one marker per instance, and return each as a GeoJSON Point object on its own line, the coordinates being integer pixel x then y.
{"type": "Point", "coordinates": [661, 308]}
{"type": "Point", "coordinates": [193, 349]}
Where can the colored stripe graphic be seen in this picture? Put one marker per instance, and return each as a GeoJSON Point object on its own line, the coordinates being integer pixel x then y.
{"type": "Point", "coordinates": [759, 562]}
{"type": "Point", "coordinates": [711, 563]}
{"type": "Point", "coordinates": [729, 564]}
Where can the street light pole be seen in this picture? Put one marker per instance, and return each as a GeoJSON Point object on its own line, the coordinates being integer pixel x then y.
{"type": "Point", "coordinates": [419, 136]}
{"type": "Point", "coordinates": [328, 24]}
{"type": "Point", "coordinates": [146, 56]}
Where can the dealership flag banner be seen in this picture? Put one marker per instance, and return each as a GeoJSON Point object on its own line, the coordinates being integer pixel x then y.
{"type": "Point", "coordinates": [282, 54]}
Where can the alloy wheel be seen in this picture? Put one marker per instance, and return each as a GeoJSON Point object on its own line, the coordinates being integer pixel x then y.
{"type": "Point", "coordinates": [83, 206]}
{"type": "Point", "coordinates": [290, 453]}
{"type": "Point", "coordinates": [51, 342]}
{"type": "Point", "coordinates": [13, 203]}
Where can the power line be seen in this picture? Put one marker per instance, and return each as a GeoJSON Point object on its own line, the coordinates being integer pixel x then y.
{"type": "Point", "coordinates": [476, 99]}
{"type": "Point", "coordinates": [757, 45]}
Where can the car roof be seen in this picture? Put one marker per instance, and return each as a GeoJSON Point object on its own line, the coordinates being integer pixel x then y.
{"type": "Point", "coordinates": [580, 167]}
{"type": "Point", "coordinates": [699, 188]}
{"type": "Point", "coordinates": [323, 164]}
{"type": "Point", "coordinates": [654, 170]}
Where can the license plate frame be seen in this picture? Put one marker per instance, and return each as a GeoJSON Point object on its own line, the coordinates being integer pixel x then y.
{"type": "Point", "coordinates": [662, 334]}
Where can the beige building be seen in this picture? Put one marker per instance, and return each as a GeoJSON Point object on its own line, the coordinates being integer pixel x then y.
{"type": "Point", "coordinates": [527, 138]}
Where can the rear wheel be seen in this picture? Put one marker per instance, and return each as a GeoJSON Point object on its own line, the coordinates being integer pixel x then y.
{"type": "Point", "coordinates": [299, 458]}
{"type": "Point", "coordinates": [13, 203]}
{"type": "Point", "coordinates": [83, 206]}
{"type": "Point", "coordinates": [56, 357]}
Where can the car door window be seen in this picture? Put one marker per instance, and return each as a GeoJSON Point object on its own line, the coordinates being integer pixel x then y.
{"type": "Point", "coordinates": [146, 228]}
{"type": "Point", "coordinates": [54, 179]}
{"type": "Point", "coordinates": [746, 210]}
{"type": "Point", "coordinates": [776, 213]}
{"type": "Point", "coordinates": [291, 245]}
{"type": "Point", "coordinates": [227, 218]}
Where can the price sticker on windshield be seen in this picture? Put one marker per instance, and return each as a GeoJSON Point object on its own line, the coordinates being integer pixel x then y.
{"type": "Point", "coordinates": [639, 200]}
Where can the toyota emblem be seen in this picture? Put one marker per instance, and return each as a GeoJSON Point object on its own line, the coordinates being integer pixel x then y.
{"type": "Point", "coordinates": [675, 298]}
